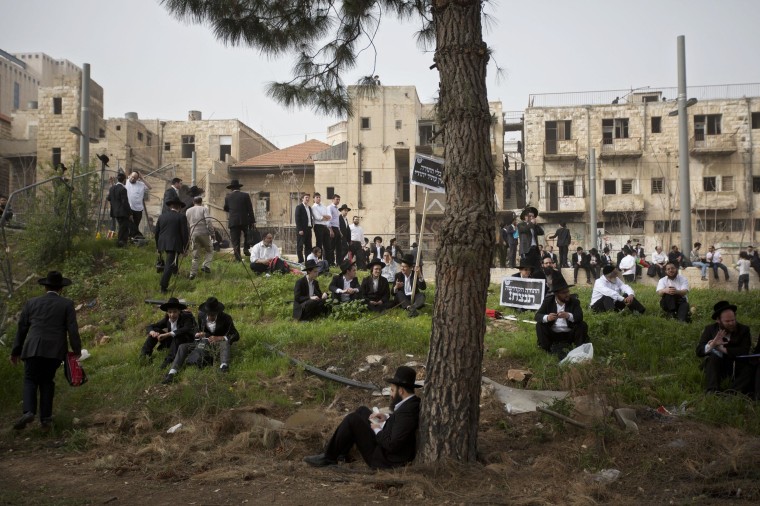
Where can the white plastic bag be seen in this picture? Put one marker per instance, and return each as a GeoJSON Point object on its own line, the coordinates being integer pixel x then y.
{"type": "Point", "coordinates": [582, 353]}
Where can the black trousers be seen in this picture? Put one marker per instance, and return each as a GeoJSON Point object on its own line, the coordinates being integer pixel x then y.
{"type": "Point", "coordinates": [303, 245]}
{"type": "Point", "coordinates": [675, 305]}
{"type": "Point", "coordinates": [332, 246]}
{"type": "Point", "coordinates": [354, 429]}
{"type": "Point", "coordinates": [320, 232]}
{"type": "Point", "coordinates": [170, 266]}
{"type": "Point", "coordinates": [172, 343]}
{"type": "Point", "coordinates": [235, 239]}
{"type": "Point", "coordinates": [39, 375]}
{"type": "Point", "coordinates": [278, 266]}
{"type": "Point", "coordinates": [135, 225]}
{"type": "Point", "coordinates": [404, 301]}
{"type": "Point", "coordinates": [312, 309]}
{"type": "Point", "coordinates": [609, 304]}
{"type": "Point", "coordinates": [587, 270]}
{"type": "Point", "coordinates": [718, 368]}
{"type": "Point", "coordinates": [563, 256]}
{"type": "Point", "coordinates": [125, 227]}
{"type": "Point", "coordinates": [553, 342]}
{"type": "Point", "coordinates": [356, 249]}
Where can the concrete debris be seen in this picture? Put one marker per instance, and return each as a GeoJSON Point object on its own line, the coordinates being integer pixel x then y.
{"type": "Point", "coordinates": [174, 428]}
{"type": "Point", "coordinates": [519, 375]}
{"type": "Point", "coordinates": [606, 476]}
{"type": "Point", "coordinates": [626, 418]}
{"type": "Point", "coordinates": [522, 401]}
{"type": "Point", "coordinates": [375, 359]}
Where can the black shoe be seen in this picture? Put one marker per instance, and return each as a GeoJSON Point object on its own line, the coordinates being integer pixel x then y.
{"type": "Point", "coordinates": [206, 270]}
{"type": "Point", "coordinates": [413, 312]}
{"type": "Point", "coordinates": [319, 460]}
{"type": "Point", "coordinates": [23, 421]}
{"type": "Point", "coordinates": [191, 277]}
{"type": "Point", "coordinates": [224, 368]}
{"type": "Point", "coordinates": [247, 252]}
{"type": "Point", "coordinates": [166, 363]}
{"type": "Point", "coordinates": [164, 290]}
{"type": "Point", "coordinates": [46, 425]}
{"type": "Point", "coordinates": [168, 379]}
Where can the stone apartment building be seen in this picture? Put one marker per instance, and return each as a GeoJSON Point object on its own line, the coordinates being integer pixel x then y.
{"type": "Point", "coordinates": [637, 176]}
{"type": "Point", "coordinates": [370, 160]}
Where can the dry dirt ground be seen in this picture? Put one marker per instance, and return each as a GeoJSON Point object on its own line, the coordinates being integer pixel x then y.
{"type": "Point", "coordinates": [245, 455]}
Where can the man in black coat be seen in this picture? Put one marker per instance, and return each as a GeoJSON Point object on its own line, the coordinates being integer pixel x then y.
{"type": "Point", "coordinates": [172, 237]}
{"type": "Point", "coordinates": [304, 224]}
{"type": "Point", "coordinates": [720, 344]}
{"type": "Point", "coordinates": [40, 342]}
{"type": "Point", "coordinates": [175, 328]}
{"type": "Point", "coordinates": [403, 286]}
{"type": "Point", "coordinates": [529, 230]}
{"type": "Point", "coordinates": [563, 242]}
{"type": "Point", "coordinates": [383, 440]}
{"type": "Point", "coordinates": [240, 219]}
{"type": "Point", "coordinates": [375, 290]}
{"type": "Point", "coordinates": [581, 261]}
{"type": "Point", "coordinates": [216, 333]}
{"type": "Point", "coordinates": [559, 322]}
{"type": "Point", "coordinates": [344, 286]}
{"type": "Point", "coordinates": [172, 193]}
{"type": "Point", "coordinates": [120, 209]}
{"type": "Point", "coordinates": [308, 299]}
{"type": "Point", "coordinates": [345, 234]}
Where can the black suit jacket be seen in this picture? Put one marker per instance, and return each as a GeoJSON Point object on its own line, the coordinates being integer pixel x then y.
{"type": "Point", "coordinates": [185, 332]}
{"type": "Point", "coordinates": [224, 326]}
{"type": "Point", "coordinates": [400, 277]}
{"type": "Point", "coordinates": [301, 295]}
{"type": "Point", "coordinates": [563, 236]}
{"type": "Point", "coordinates": [43, 326]}
{"type": "Point", "coordinates": [740, 342]}
{"type": "Point", "coordinates": [337, 284]}
{"type": "Point", "coordinates": [397, 442]}
{"type": "Point", "coordinates": [303, 213]}
{"type": "Point", "coordinates": [172, 232]}
{"type": "Point", "coordinates": [549, 305]}
{"type": "Point", "coordinates": [117, 196]}
{"type": "Point", "coordinates": [373, 250]}
{"type": "Point", "coordinates": [584, 260]}
{"type": "Point", "coordinates": [383, 292]}
{"type": "Point", "coordinates": [170, 194]}
{"type": "Point", "coordinates": [238, 205]}
{"type": "Point", "coordinates": [345, 230]}
{"type": "Point", "coordinates": [524, 230]}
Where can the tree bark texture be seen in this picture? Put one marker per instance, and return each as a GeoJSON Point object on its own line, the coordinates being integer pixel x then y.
{"type": "Point", "coordinates": [450, 408]}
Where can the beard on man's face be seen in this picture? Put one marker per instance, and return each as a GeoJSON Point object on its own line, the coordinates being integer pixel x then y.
{"type": "Point", "coordinates": [395, 399]}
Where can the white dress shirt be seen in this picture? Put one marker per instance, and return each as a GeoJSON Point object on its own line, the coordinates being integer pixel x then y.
{"type": "Point", "coordinates": [261, 252]}
{"type": "Point", "coordinates": [357, 233]}
{"type": "Point", "coordinates": [679, 283]}
{"type": "Point", "coordinates": [614, 290]}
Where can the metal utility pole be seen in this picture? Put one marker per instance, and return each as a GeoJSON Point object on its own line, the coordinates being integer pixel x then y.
{"type": "Point", "coordinates": [683, 149]}
{"type": "Point", "coordinates": [84, 120]}
{"type": "Point", "coordinates": [592, 194]}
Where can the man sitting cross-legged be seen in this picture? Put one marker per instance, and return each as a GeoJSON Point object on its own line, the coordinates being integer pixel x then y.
{"type": "Point", "coordinates": [672, 289]}
{"type": "Point", "coordinates": [559, 321]}
{"type": "Point", "coordinates": [375, 290]}
{"type": "Point", "coordinates": [345, 286]}
{"type": "Point", "coordinates": [177, 327]}
{"type": "Point", "coordinates": [383, 440]}
{"type": "Point", "coordinates": [611, 294]}
{"type": "Point", "coordinates": [308, 299]}
{"type": "Point", "coordinates": [217, 331]}
{"type": "Point", "coordinates": [265, 257]}
{"type": "Point", "coordinates": [402, 288]}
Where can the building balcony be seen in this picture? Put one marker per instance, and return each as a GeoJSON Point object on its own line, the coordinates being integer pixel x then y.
{"type": "Point", "coordinates": [718, 145]}
{"type": "Point", "coordinates": [622, 203]}
{"type": "Point", "coordinates": [561, 149]}
{"type": "Point", "coordinates": [629, 147]}
{"type": "Point", "coordinates": [715, 201]}
{"type": "Point", "coordinates": [562, 205]}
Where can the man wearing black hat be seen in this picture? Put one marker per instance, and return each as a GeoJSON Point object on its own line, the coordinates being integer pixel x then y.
{"type": "Point", "coordinates": [344, 286]}
{"type": "Point", "coordinates": [175, 328]}
{"type": "Point", "coordinates": [172, 193]}
{"type": "Point", "coordinates": [308, 299]}
{"type": "Point", "coordinates": [240, 219]}
{"type": "Point", "coordinates": [217, 332]}
{"type": "Point", "coordinates": [559, 321]}
{"type": "Point", "coordinates": [304, 225]}
{"type": "Point", "coordinates": [345, 234]}
{"type": "Point", "coordinates": [720, 344]}
{"type": "Point", "coordinates": [383, 440]}
{"type": "Point", "coordinates": [563, 242]}
{"type": "Point", "coordinates": [117, 196]}
{"type": "Point", "coordinates": [402, 288]}
{"type": "Point", "coordinates": [529, 230]}
{"type": "Point", "coordinates": [377, 248]}
{"type": "Point", "coordinates": [172, 237]}
{"type": "Point", "coordinates": [40, 342]}
{"type": "Point", "coordinates": [611, 294]}
{"type": "Point", "coordinates": [375, 289]}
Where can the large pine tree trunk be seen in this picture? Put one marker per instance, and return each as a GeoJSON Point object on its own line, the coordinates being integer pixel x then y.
{"type": "Point", "coordinates": [450, 408]}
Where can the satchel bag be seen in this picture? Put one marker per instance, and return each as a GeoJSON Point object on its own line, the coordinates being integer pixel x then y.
{"type": "Point", "coordinates": [160, 264]}
{"type": "Point", "coordinates": [201, 356]}
{"type": "Point", "coordinates": [73, 370]}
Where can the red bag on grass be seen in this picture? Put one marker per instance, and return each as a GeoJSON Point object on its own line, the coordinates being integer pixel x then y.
{"type": "Point", "coordinates": [73, 370]}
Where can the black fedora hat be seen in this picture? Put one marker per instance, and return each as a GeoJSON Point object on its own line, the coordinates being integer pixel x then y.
{"type": "Point", "coordinates": [377, 238]}
{"type": "Point", "coordinates": [196, 191]}
{"type": "Point", "coordinates": [234, 184]}
{"type": "Point", "coordinates": [524, 264]}
{"type": "Point", "coordinates": [405, 377]}
{"type": "Point", "coordinates": [345, 266]}
{"type": "Point", "coordinates": [408, 259]}
{"type": "Point", "coordinates": [174, 201]}
{"type": "Point", "coordinates": [172, 303]}
{"type": "Point", "coordinates": [212, 305]}
{"type": "Point", "coordinates": [344, 206]}
{"type": "Point", "coordinates": [374, 262]}
{"type": "Point", "coordinates": [54, 279]}
{"type": "Point", "coordinates": [310, 265]}
{"type": "Point", "coordinates": [720, 307]}
{"type": "Point", "coordinates": [559, 283]}
{"type": "Point", "coordinates": [529, 209]}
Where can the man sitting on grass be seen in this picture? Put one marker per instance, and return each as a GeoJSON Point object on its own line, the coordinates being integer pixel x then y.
{"type": "Point", "coordinates": [402, 288]}
{"type": "Point", "coordinates": [375, 289]}
{"type": "Point", "coordinates": [559, 322]}
{"type": "Point", "coordinates": [344, 286]}
{"type": "Point", "coordinates": [308, 299]}
{"type": "Point", "coordinates": [672, 289]}
{"type": "Point", "coordinates": [265, 257]}
{"type": "Point", "coordinates": [611, 294]}
{"type": "Point", "coordinates": [383, 440]}
{"type": "Point", "coordinates": [720, 344]}
{"type": "Point", "coordinates": [217, 331]}
{"type": "Point", "coordinates": [177, 327]}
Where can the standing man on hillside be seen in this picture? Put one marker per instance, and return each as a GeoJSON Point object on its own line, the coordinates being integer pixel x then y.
{"type": "Point", "coordinates": [201, 231]}
{"type": "Point", "coordinates": [357, 240]}
{"type": "Point", "coordinates": [345, 234]}
{"type": "Point", "coordinates": [333, 245]}
{"type": "Point", "coordinates": [40, 342]}
{"type": "Point", "coordinates": [136, 189]}
{"type": "Point", "coordinates": [172, 237]}
{"type": "Point", "coordinates": [529, 230]}
{"type": "Point", "coordinates": [512, 236]}
{"type": "Point", "coordinates": [563, 243]}
{"type": "Point", "coordinates": [172, 193]}
{"type": "Point", "coordinates": [321, 224]}
{"type": "Point", "coordinates": [304, 225]}
{"type": "Point", "coordinates": [120, 210]}
{"type": "Point", "coordinates": [238, 205]}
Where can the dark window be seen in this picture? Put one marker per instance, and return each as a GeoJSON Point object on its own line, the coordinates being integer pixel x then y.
{"type": "Point", "coordinates": [364, 123]}
{"type": "Point", "coordinates": [709, 184]}
{"type": "Point", "coordinates": [626, 186]}
{"type": "Point", "coordinates": [616, 128]}
{"type": "Point", "coordinates": [405, 190]}
{"type": "Point", "coordinates": [666, 226]}
{"type": "Point", "coordinates": [756, 120]}
{"type": "Point", "coordinates": [755, 184]}
{"type": "Point", "coordinates": [727, 183]}
{"type": "Point", "coordinates": [720, 225]}
{"type": "Point", "coordinates": [139, 136]}
{"type": "Point", "coordinates": [188, 146]}
{"type": "Point", "coordinates": [658, 185]}
{"type": "Point", "coordinates": [367, 177]}
{"type": "Point", "coordinates": [656, 124]}
{"type": "Point", "coordinates": [149, 140]}
{"type": "Point", "coordinates": [610, 187]}
{"type": "Point", "coordinates": [57, 105]}
{"type": "Point", "coordinates": [554, 132]}
{"type": "Point", "coordinates": [426, 132]}
{"type": "Point", "coordinates": [224, 150]}
{"type": "Point", "coordinates": [398, 124]}
{"type": "Point", "coordinates": [706, 124]}
{"type": "Point", "coordinates": [265, 197]}
{"type": "Point", "coordinates": [568, 188]}
{"type": "Point", "coordinates": [56, 157]}
{"type": "Point", "coordinates": [167, 146]}
{"type": "Point", "coordinates": [118, 127]}
{"type": "Point", "coordinates": [330, 192]}
{"type": "Point", "coordinates": [102, 133]}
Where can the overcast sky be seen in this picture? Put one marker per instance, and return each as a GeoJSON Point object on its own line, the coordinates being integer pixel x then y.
{"type": "Point", "coordinates": [149, 62]}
